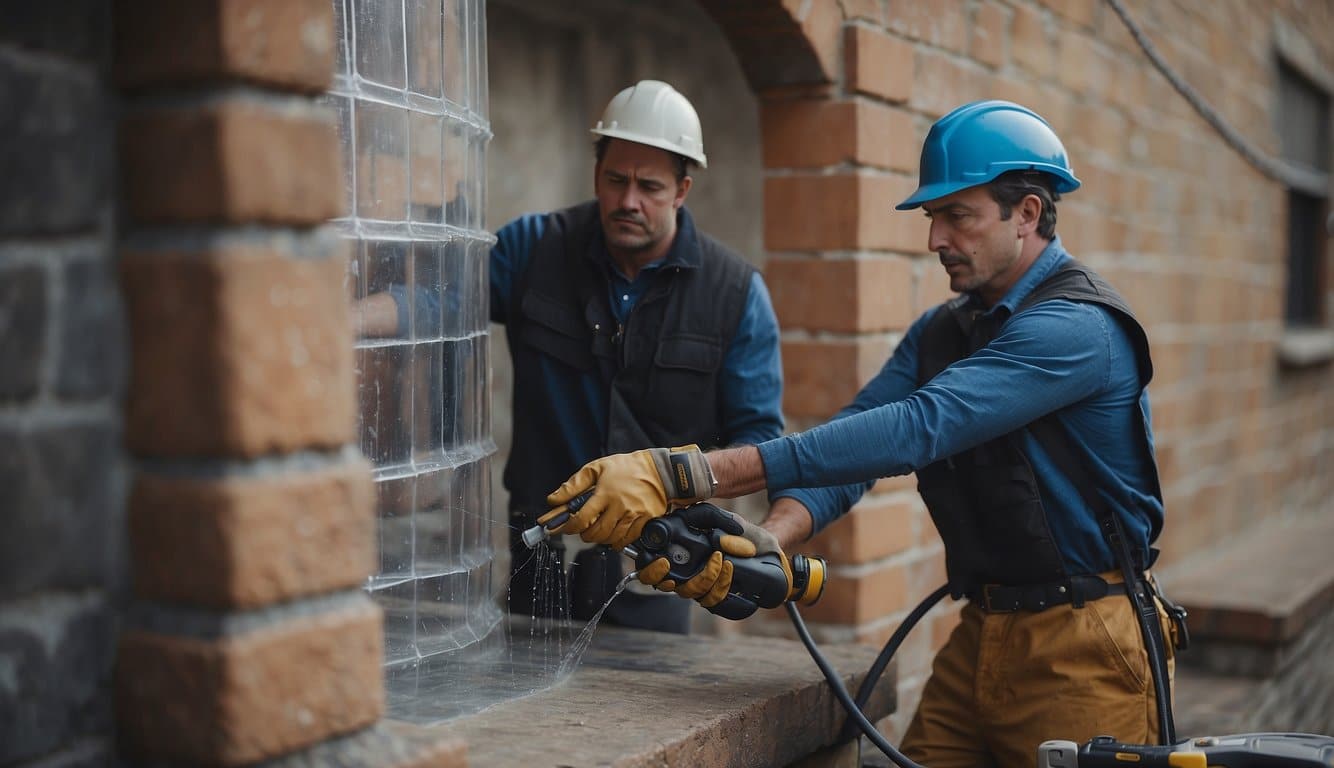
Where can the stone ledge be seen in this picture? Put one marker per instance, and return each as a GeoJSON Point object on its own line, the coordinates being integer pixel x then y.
{"type": "Point", "coordinates": [666, 701]}
{"type": "Point", "coordinates": [385, 745]}
{"type": "Point", "coordinates": [1249, 601]}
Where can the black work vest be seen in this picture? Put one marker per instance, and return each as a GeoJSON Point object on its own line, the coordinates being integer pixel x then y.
{"type": "Point", "coordinates": [985, 501]}
{"type": "Point", "coordinates": [660, 370]}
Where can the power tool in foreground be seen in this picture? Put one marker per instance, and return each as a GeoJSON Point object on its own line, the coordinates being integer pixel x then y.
{"type": "Point", "coordinates": [687, 539]}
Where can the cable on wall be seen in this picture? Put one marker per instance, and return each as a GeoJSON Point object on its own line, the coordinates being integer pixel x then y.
{"type": "Point", "coordinates": [1279, 170]}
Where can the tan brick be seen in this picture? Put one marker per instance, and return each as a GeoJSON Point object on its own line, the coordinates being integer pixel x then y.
{"type": "Point", "coordinates": [820, 377]}
{"type": "Point", "coordinates": [987, 36]}
{"type": "Point", "coordinates": [822, 26]}
{"type": "Point", "coordinates": [933, 285]}
{"type": "Point", "coordinates": [1030, 48]}
{"type": "Point", "coordinates": [773, 45]}
{"type": "Point", "coordinates": [289, 43]}
{"type": "Point", "coordinates": [241, 698]}
{"type": "Point", "coordinates": [940, 23]}
{"type": "Point", "coordinates": [944, 82]}
{"type": "Point", "coordinates": [873, 529]}
{"type": "Point", "coordinates": [382, 186]}
{"type": "Point", "coordinates": [245, 541]}
{"type": "Point", "coordinates": [846, 211]}
{"type": "Point", "coordinates": [886, 138]}
{"type": "Point", "coordinates": [819, 25]}
{"type": "Point", "coordinates": [1076, 60]}
{"type": "Point", "coordinates": [237, 352]}
{"type": "Point", "coordinates": [877, 64]}
{"type": "Point", "coordinates": [1077, 12]}
{"type": "Point", "coordinates": [427, 160]}
{"type": "Point", "coordinates": [870, 10]}
{"type": "Point", "coordinates": [844, 295]}
{"type": "Point", "coordinates": [813, 134]}
{"type": "Point", "coordinates": [232, 162]}
{"type": "Point", "coordinates": [811, 212]}
{"type": "Point", "coordinates": [858, 599]}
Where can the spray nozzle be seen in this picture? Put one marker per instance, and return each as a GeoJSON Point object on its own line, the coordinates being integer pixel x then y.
{"type": "Point", "coordinates": [540, 533]}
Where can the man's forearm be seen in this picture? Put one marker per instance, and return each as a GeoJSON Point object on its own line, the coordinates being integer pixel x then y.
{"type": "Point", "coordinates": [738, 471]}
{"type": "Point", "coordinates": [376, 316]}
{"type": "Point", "coordinates": [790, 522]}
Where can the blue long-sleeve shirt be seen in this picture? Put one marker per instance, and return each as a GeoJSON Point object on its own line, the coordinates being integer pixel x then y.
{"type": "Point", "coordinates": [750, 380]}
{"type": "Point", "coordinates": [1058, 356]}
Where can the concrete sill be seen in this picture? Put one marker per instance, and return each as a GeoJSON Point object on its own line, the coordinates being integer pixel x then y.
{"type": "Point", "coordinates": [1306, 347]}
{"type": "Point", "coordinates": [1251, 600]}
{"type": "Point", "coordinates": [650, 699]}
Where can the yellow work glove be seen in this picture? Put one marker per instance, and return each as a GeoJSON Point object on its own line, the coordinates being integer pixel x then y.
{"type": "Point", "coordinates": [631, 489]}
{"type": "Point", "coordinates": [701, 517]}
{"type": "Point", "coordinates": [711, 585]}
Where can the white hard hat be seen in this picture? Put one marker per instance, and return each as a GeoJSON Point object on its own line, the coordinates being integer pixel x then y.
{"type": "Point", "coordinates": [652, 112]}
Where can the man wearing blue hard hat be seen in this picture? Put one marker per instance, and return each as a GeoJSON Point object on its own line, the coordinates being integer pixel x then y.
{"type": "Point", "coordinates": [1022, 406]}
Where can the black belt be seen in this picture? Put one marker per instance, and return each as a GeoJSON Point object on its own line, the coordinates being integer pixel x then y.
{"type": "Point", "coordinates": [1001, 598]}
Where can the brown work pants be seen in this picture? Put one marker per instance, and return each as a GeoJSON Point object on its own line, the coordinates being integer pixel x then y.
{"type": "Point", "coordinates": [1006, 682]}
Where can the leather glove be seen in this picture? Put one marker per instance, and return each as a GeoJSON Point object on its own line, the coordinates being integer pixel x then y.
{"type": "Point", "coordinates": [631, 489]}
{"type": "Point", "coordinates": [704, 517]}
{"type": "Point", "coordinates": [711, 585]}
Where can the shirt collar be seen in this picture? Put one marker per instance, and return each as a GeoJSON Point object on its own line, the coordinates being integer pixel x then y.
{"type": "Point", "coordinates": [1053, 256]}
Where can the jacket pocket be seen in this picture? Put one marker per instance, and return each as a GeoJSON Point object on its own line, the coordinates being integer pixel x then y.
{"type": "Point", "coordinates": [684, 372]}
{"type": "Point", "coordinates": [556, 330]}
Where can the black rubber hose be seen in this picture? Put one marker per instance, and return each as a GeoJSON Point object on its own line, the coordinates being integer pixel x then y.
{"type": "Point", "coordinates": [841, 692]}
{"type": "Point", "coordinates": [892, 647]}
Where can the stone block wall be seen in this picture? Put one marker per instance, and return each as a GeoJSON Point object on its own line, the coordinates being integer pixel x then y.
{"type": "Point", "coordinates": [249, 511]}
{"type": "Point", "coordinates": [62, 373]}
{"type": "Point", "coordinates": [1193, 236]}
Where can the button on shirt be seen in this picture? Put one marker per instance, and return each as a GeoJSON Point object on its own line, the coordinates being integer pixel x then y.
{"type": "Point", "coordinates": [1058, 355]}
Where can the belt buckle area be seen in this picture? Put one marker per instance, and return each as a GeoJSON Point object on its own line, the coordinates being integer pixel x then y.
{"type": "Point", "coordinates": [989, 601]}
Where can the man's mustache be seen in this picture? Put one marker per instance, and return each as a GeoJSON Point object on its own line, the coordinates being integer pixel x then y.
{"type": "Point", "coordinates": [627, 216]}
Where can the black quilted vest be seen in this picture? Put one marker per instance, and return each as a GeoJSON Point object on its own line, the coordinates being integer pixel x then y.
{"type": "Point", "coordinates": [660, 369]}
{"type": "Point", "coordinates": [985, 501]}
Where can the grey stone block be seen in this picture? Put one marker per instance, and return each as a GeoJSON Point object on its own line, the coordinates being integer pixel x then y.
{"type": "Point", "coordinates": [56, 135]}
{"type": "Point", "coordinates": [22, 330]}
{"type": "Point", "coordinates": [63, 524]}
{"type": "Point", "coordinates": [94, 753]}
{"type": "Point", "coordinates": [56, 653]}
{"type": "Point", "coordinates": [77, 29]}
{"type": "Point", "coordinates": [92, 341]}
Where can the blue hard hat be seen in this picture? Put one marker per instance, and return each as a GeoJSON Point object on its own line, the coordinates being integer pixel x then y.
{"type": "Point", "coordinates": [979, 141]}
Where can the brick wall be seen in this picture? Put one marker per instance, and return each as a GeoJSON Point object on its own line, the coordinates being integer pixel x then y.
{"type": "Point", "coordinates": [62, 373]}
{"type": "Point", "coordinates": [249, 512]}
{"type": "Point", "coordinates": [1192, 235]}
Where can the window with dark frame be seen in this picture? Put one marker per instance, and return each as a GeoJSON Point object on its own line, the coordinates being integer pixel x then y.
{"type": "Point", "coordinates": [1303, 126]}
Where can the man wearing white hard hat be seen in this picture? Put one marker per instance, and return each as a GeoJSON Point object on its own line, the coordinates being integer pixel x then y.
{"type": "Point", "coordinates": [628, 328]}
{"type": "Point", "coordinates": [1022, 406]}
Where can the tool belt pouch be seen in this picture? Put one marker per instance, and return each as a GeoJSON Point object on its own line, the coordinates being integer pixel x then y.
{"type": "Point", "coordinates": [1179, 634]}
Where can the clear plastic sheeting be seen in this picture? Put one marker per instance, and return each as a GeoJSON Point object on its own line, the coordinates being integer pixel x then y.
{"type": "Point", "coordinates": [410, 94]}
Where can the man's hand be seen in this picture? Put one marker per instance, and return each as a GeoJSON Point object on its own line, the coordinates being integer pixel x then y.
{"type": "Point", "coordinates": [631, 489]}
{"type": "Point", "coordinates": [704, 517]}
{"type": "Point", "coordinates": [711, 585]}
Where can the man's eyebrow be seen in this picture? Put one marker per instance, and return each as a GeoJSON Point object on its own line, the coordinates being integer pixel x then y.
{"type": "Point", "coordinates": [948, 207]}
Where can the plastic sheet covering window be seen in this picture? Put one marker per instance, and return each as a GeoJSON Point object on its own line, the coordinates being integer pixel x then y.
{"type": "Point", "coordinates": [410, 94]}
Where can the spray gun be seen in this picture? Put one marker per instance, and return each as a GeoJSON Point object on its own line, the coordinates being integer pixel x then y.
{"type": "Point", "coordinates": [757, 582]}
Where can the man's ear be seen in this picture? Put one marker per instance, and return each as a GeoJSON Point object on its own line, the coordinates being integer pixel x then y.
{"type": "Point", "coordinates": [682, 189]}
{"type": "Point", "coordinates": [1028, 212]}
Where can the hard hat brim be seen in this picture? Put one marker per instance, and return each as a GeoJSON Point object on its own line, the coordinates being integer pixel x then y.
{"type": "Point", "coordinates": [638, 138]}
{"type": "Point", "coordinates": [929, 192]}
{"type": "Point", "coordinates": [1063, 182]}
